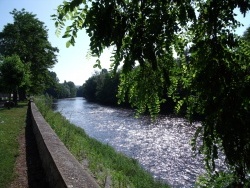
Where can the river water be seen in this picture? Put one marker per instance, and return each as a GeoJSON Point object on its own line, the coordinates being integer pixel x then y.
{"type": "Point", "coordinates": [162, 147]}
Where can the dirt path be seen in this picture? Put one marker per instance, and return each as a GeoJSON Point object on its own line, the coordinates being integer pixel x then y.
{"type": "Point", "coordinates": [28, 168]}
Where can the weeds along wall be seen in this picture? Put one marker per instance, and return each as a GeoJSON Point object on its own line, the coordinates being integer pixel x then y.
{"type": "Point", "coordinates": [60, 166]}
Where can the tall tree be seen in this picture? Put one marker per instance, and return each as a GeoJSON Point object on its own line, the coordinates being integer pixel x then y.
{"type": "Point", "coordinates": [13, 74]}
{"type": "Point", "coordinates": [215, 77]}
{"type": "Point", "coordinates": [28, 38]}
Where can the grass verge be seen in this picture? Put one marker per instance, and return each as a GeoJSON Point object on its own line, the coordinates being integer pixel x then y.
{"type": "Point", "coordinates": [102, 160]}
{"type": "Point", "coordinates": [12, 123]}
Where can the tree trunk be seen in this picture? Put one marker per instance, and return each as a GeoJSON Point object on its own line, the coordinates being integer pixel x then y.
{"type": "Point", "coordinates": [15, 97]}
{"type": "Point", "coordinates": [22, 94]}
{"type": "Point", "coordinates": [9, 98]}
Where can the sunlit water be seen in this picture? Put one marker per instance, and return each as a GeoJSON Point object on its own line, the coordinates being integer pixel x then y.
{"type": "Point", "coordinates": [162, 147]}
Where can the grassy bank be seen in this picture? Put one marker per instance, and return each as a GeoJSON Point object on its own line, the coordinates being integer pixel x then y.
{"type": "Point", "coordinates": [102, 160]}
{"type": "Point", "coordinates": [12, 123]}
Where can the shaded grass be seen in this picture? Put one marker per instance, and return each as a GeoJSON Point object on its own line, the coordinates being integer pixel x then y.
{"type": "Point", "coordinates": [12, 123]}
{"type": "Point", "coordinates": [103, 161]}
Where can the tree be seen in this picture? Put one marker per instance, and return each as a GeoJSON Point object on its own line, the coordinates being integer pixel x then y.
{"type": "Point", "coordinates": [28, 38]}
{"type": "Point", "coordinates": [53, 86]}
{"type": "Point", "coordinates": [215, 77]}
{"type": "Point", "coordinates": [13, 74]}
{"type": "Point", "coordinates": [89, 89]}
{"type": "Point", "coordinates": [72, 89]}
{"type": "Point", "coordinates": [60, 90]}
{"type": "Point", "coordinates": [79, 92]}
{"type": "Point", "coordinates": [106, 87]}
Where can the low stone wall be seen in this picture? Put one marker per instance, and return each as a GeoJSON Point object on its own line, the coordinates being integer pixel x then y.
{"type": "Point", "coordinates": [61, 168]}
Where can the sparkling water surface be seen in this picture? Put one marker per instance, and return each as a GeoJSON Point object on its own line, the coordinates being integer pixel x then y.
{"type": "Point", "coordinates": [161, 147]}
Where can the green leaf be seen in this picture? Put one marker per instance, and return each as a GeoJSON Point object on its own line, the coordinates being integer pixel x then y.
{"type": "Point", "coordinates": [68, 43]}
{"type": "Point", "coordinates": [66, 36]}
{"type": "Point", "coordinates": [68, 28]}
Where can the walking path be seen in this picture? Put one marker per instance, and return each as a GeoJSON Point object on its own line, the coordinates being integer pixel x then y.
{"type": "Point", "coordinates": [28, 168]}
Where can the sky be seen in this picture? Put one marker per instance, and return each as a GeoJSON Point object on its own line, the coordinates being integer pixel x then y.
{"type": "Point", "coordinates": [72, 63]}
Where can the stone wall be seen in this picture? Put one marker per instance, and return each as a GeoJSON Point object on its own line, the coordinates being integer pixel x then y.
{"type": "Point", "coordinates": [61, 167]}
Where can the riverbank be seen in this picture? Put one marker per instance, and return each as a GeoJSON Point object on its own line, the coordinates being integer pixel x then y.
{"type": "Point", "coordinates": [111, 169]}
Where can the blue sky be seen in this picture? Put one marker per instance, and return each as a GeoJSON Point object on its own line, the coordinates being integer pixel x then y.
{"type": "Point", "coordinates": [72, 62]}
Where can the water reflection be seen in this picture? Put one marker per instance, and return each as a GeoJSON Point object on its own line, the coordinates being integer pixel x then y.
{"type": "Point", "coordinates": [161, 147]}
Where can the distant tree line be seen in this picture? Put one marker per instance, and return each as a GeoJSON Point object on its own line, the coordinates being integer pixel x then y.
{"type": "Point", "coordinates": [102, 87]}
{"type": "Point", "coordinates": [62, 90]}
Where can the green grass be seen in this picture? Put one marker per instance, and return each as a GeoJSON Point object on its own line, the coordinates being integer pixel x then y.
{"type": "Point", "coordinates": [12, 123]}
{"type": "Point", "coordinates": [103, 160]}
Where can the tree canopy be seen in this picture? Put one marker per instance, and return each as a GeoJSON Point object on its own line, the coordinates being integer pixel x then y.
{"type": "Point", "coordinates": [28, 38]}
{"type": "Point", "coordinates": [102, 88]}
{"type": "Point", "coordinates": [186, 50]}
{"type": "Point", "coordinates": [13, 74]}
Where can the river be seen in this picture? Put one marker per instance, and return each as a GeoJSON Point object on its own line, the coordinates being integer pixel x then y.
{"type": "Point", "coordinates": [161, 147]}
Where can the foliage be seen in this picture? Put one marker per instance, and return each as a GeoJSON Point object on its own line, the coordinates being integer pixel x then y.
{"type": "Point", "coordinates": [222, 96]}
{"type": "Point", "coordinates": [103, 161]}
{"type": "Point", "coordinates": [60, 90]}
{"type": "Point", "coordinates": [52, 88]}
{"type": "Point", "coordinates": [79, 92]}
{"type": "Point", "coordinates": [106, 88]}
{"type": "Point", "coordinates": [144, 88]}
{"type": "Point", "coordinates": [102, 88]}
{"type": "Point", "coordinates": [89, 89]}
{"type": "Point", "coordinates": [14, 74]}
{"type": "Point", "coordinates": [12, 123]}
{"type": "Point", "coordinates": [218, 179]}
{"type": "Point", "coordinates": [72, 88]}
{"type": "Point", "coordinates": [28, 38]}
{"type": "Point", "coordinates": [211, 78]}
